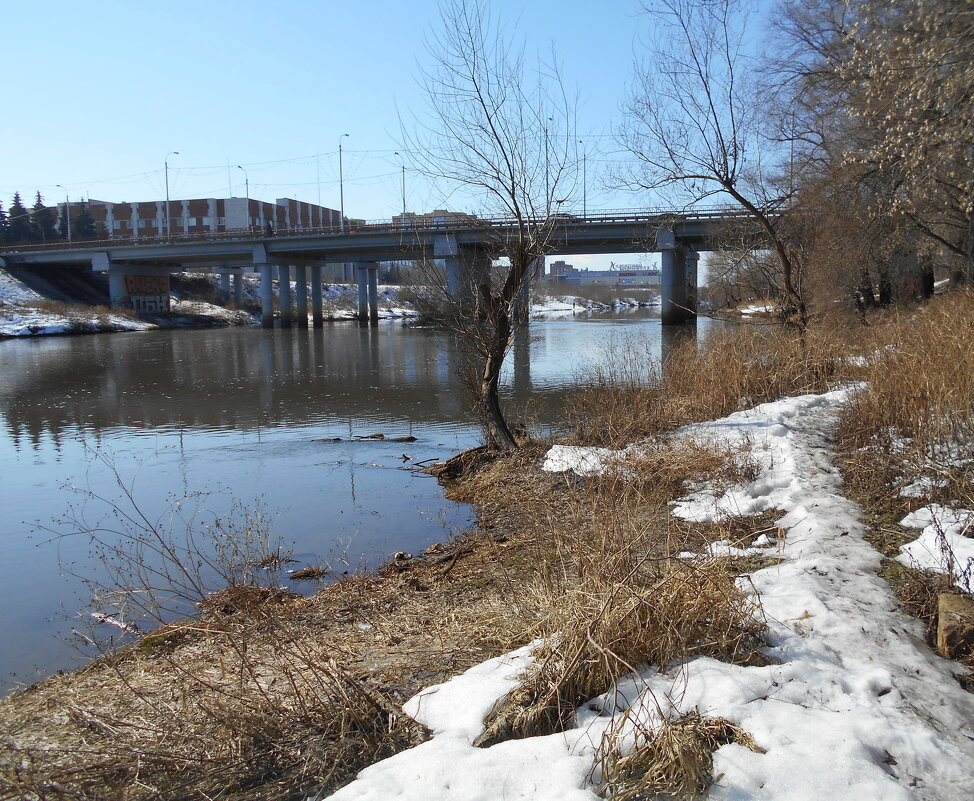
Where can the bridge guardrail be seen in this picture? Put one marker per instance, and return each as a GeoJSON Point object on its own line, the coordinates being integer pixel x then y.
{"type": "Point", "coordinates": [406, 226]}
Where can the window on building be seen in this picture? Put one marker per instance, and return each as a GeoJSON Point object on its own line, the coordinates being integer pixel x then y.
{"type": "Point", "coordinates": [142, 223]}
{"type": "Point", "coordinates": [221, 220]}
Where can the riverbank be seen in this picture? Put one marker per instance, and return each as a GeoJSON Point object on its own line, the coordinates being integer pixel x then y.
{"type": "Point", "coordinates": [196, 303]}
{"type": "Point", "coordinates": [731, 628]}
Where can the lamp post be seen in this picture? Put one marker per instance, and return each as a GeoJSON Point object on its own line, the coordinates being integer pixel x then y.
{"type": "Point", "coordinates": [584, 187]}
{"type": "Point", "coordinates": [247, 191]}
{"type": "Point", "coordinates": [402, 161]}
{"type": "Point", "coordinates": [67, 212]}
{"type": "Point", "coordinates": [341, 186]}
{"type": "Point", "coordinates": [166, 163]}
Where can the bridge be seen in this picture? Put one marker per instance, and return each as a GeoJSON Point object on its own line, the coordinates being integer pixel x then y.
{"type": "Point", "coordinates": [138, 269]}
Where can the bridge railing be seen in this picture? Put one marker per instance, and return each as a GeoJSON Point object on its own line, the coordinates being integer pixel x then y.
{"type": "Point", "coordinates": [458, 221]}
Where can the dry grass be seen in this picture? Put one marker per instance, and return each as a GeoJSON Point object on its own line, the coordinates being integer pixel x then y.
{"type": "Point", "coordinates": [262, 698]}
{"type": "Point", "coordinates": [629, 395]}
{"type": "Point", "coordinates": [673, 761]}
{"type": "Point", "coordinates": [915, 416]}
{"type": "Point", "coordinates": [912, 425]}
{"type": "Point", "coordinates": [608, 593]}
{"type": "Point", "coordinates": [79, 313]}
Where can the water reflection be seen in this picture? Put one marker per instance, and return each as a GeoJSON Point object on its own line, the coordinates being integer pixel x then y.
{"type": "Point", "coordinates": [241, 410]}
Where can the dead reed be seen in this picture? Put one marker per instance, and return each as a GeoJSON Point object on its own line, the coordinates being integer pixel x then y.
{"type": "Point", "coordinates": [609, 594]}
{"type": "Point", "coordinates": [630, 394]}
{"type": "Point", "coordinates": [912, 422]}
{"type": "Point", "coordinates": [674, 760]}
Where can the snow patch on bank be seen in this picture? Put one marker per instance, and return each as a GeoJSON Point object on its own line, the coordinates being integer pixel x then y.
{"type": "Point", "coordinates": [854, 706]}
{"type": "Point", "coordinates": [944, 545]}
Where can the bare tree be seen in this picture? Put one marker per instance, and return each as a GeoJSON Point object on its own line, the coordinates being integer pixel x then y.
{"type": "Point", "coordinates": [695, 122]}
{"type": "Point", "coordinates": [504, 136]}
{"type": "Point", "coordinates": [914, 64]}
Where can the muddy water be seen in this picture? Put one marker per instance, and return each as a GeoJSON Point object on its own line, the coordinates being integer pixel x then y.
{"type": "Point", "coordinates": [236, 413]}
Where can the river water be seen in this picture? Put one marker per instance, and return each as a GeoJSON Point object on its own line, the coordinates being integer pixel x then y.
{"type": "Point", "coordinates": [235, 413]}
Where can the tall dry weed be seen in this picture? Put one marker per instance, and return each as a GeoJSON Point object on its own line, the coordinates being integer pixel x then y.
{"type": "Point", "coordinates": [610, 595]}
{"type": "Point", "coordinates": [631, 394]}
{"type": "Point", "coordinates": [913, 418]}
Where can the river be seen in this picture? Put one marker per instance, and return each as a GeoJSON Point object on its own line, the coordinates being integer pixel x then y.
{"type": "Point", "coordinates": [235, 413]}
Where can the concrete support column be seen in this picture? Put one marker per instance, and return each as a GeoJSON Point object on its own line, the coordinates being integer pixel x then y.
{"type": "Point", "coordinates": [116, 289]}
{"type": "Point", "coordinates": [238, 293]}
{"type": "Point", "coordinates": [284, 291]}
{"type": "Point", "coordinates": [693, 259]}
{"type": "Point", "coordinates": [454, 274]}
{"type": "Point", "coordinates": [374, 293]}
{"type": "Point", "coordinates": [225, 287]}
{"type": "Point", "coordinates": [679, 298]}
{"type": "Point", "coordinates": [266, 295]}
{"type": "Point", "coordinates": [301, 296]}
{"type": "Point", "coordinates": [678, 282]}
{"type": "Point", "coordinates": [362, 273]}
{"type": "Point", "coordinates": [316, 307]}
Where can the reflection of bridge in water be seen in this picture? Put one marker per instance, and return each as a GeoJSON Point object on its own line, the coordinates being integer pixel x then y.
{"type": "Point", "coordinates": [460, 243]}
{"type": "Point", "coordinates": [243, 379]}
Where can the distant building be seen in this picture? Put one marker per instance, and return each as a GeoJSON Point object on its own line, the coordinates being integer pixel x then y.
{"type": "Point", "coordinates": [435, 217]}
{"type": "Point", "coordinates": [559, 268]}
{"type": "Point", "coordinates": [203, 215]}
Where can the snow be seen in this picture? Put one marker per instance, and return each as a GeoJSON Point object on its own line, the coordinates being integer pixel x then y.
{"type": "Point", "coordinates": [944, 545]}
{"type": "Point", "coordinates": [13, 291]}
{"type": "Point", "coordinates": [853, 705]}
{"type": "Point", "coordinates": [19, 317]}
{"type": "Point", "coordinates": [18, 321]}
{"type": "Point", "coordinates": [573, 304]}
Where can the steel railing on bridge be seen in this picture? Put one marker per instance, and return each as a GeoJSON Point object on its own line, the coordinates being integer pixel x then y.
{"type": "Point", "coordinates": [454, 221]}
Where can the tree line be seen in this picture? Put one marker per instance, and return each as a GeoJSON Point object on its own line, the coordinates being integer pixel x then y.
{"type": "Point", "coordinates": [846, 133]}
{"type": "Point", "coordinates": [40, 223]}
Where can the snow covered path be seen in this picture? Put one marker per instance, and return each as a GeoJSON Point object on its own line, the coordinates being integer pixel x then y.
{"type": "Point", "coordinates": [855, 707]}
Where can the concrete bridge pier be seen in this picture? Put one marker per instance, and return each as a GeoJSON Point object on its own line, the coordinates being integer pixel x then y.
{"type": "Point", "coordinates": [266, 295]}
{"type": "Point", "coordinates": [116, 289]}
{"type": "Point", "coordinates": [284, 292]}
{"type": "Point", "coordinates": [678, 285]}
{"type": "Point", "coordinates": [301, 295]}
{"type": "Point", "coordinates": [317, 318]}
{"type": "Point", "coordinates": [238, 289]}
{"type": "Point", "coordinates": [374, 293]}
{"type": "Point", "coordinates": [367, 273]}
{"type": "Point", "coordinates": [225, 287]}
{"type": "Point", "coordinates": [142, 288]}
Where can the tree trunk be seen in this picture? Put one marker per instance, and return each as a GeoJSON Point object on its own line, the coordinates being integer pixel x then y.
{"type": "Point", "coordinates": [498, 433]}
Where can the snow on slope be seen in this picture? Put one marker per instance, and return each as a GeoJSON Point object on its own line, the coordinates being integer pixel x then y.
{"type": "Point", "coordinates": [854, 707]}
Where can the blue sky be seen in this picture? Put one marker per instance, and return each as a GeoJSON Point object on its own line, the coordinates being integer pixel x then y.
{"type": "Point", "coordinates": [96, 95]}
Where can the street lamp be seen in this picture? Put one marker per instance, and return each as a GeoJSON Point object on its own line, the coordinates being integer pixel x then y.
{"type": "Point", "coordinates": [341, 186]}
{"type": "Point", "coordinates": [584, 187]}
{"type": "Point", "coordinates": [247, 189]}
{"type": "Point", "coordinates": [403, 185]}
{"type": "Point", "coordinates": [67, 212]}
{"type": "Point", "coordinates": [166, 163]}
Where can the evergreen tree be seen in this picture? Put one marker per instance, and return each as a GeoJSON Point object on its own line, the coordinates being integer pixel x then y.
{"type": "Point", "coordinates": [4, 226]}
{"type": "Point", "coordinates": [42, 221]}
{"type": "Point", "coordinates": [18, 220]}
{"type": "Point", "coordinates": [62, 223]}
{"type": "Point", "coordinates": [83, 225]}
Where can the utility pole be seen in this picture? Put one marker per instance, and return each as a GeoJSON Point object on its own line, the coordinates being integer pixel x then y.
{"type": "Point", "coordinates": [67, 213]}
{"type": "Point", "coordinates": [341, 187]}
{"type": "Point", "coordinates": [584, 187]}
{"type": "Point", "coordinates": [166, 164]}
{"type": "Point", "coordinates": [403, 186]}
